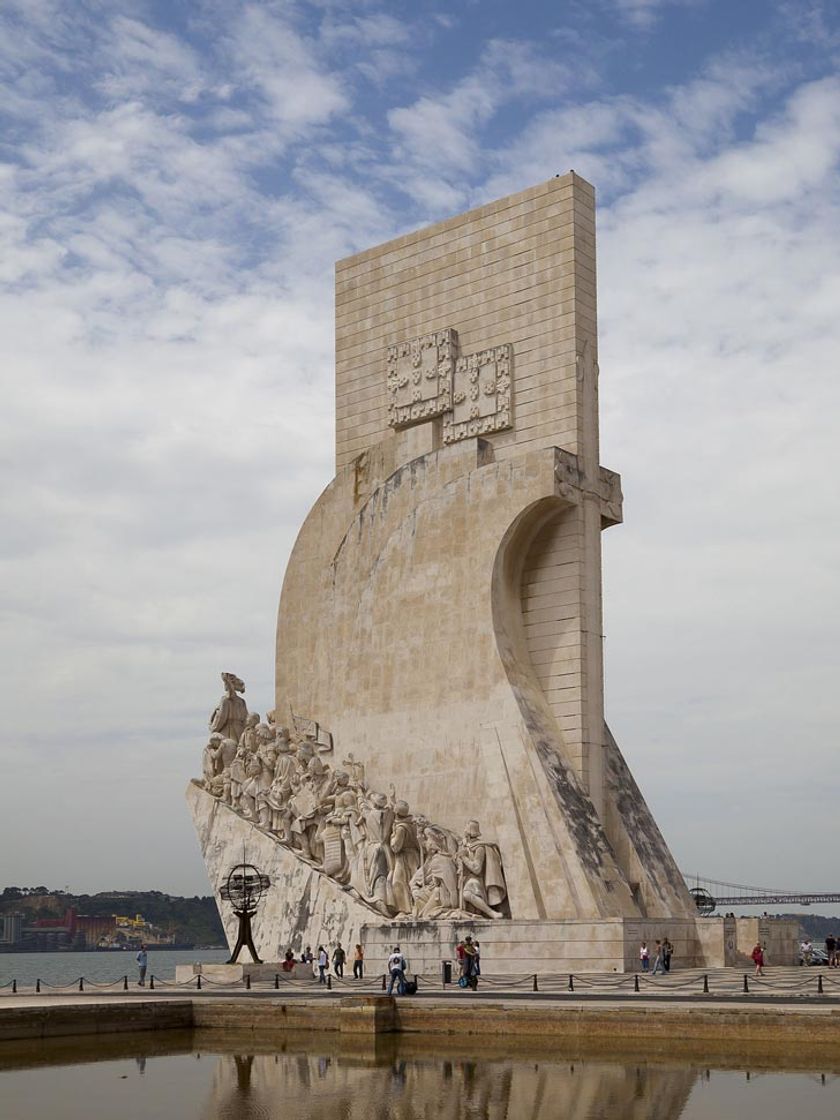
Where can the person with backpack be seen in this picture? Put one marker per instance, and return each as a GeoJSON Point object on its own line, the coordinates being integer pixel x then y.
{"type": "Point", "coordinates": [396, 972]}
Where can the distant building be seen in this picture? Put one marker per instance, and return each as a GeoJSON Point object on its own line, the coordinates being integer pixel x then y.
{"type": "Point", "coordinates": [11, 928]}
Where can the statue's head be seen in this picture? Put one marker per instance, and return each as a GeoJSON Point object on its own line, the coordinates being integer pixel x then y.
{"type": "Point", "coordinates": [473, 831]}
{"type": "Point", "coordinates": [401, 809]}
{"type": "Point", "coordinates": [231, 681]}
{"type": "Point", "coordinates": [342, 778]}
{"type": "Point", "coordinates": [252, 719]}
{"type": "Point", "coordinates": [378, 800]}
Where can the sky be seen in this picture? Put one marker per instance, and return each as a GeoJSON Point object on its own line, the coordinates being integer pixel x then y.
{"type": "Point", "coordinates": [177, 180]}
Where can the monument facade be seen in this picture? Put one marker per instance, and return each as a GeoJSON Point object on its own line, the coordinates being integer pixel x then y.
{"type": "Point", "coordinates": [441, 616]}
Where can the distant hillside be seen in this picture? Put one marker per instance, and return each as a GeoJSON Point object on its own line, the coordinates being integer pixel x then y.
{"type": "Point", "coordinates": [192, 921]}
{"type": "Point", "coordinates": [817, 926]}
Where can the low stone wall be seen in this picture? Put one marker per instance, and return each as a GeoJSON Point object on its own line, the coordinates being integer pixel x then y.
{"type": "Point", "coordinates": [518, 948]}
{"type": "Point", "coordinates": [58, 1021]}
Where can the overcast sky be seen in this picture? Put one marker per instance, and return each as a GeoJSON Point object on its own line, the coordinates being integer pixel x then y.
{"type": "Point", "coordinates": [177, 179]}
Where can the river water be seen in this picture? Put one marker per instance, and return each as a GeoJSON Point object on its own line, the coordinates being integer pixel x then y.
{"type": "Point", "coordinates": [179, 1076]}
{"type": "Point", "coordinates": [58, 969]}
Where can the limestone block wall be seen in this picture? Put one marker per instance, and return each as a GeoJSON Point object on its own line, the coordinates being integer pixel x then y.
{"type": "Point", "coordinates": [518, 271]}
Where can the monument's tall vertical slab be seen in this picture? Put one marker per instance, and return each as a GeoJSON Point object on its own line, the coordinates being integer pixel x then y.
{"type": "Point", "coordinates": [441, 611]}
{"type": "Point", "coordinates": [517, 273]}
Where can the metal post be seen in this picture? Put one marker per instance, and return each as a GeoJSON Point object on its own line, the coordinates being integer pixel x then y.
{"type": "Point", "coordinates": [125, 983]}
{"type": "Point", "coordinates": [37, 985]}
{"type": "Point", "coordinates": [571, 982]}
{"type": "Point", "coordinates": [14, 987]}
{"type": "Point", "coordinates": [819, 984]}
{"type": "Point", "coordinates": [152, 982]}
{"type": "Point", "coordinates": [276, 980]}
{"type": "Point", "coordinates": [81, 983]}
{"type": "Point", "coordinates": [198, 982]}
{"type": "Point", "coordinates": [329, 982]}
{"type": "Point", "coordinates": [384, 984]}
{"type": "Point", "coordinates": [247, 981]}
{"type": "Point", "coordinates": [536, 989]}
{"type": "Point", "coordinates": [705, 984]}
{"type": "Point", "coordinates": [746, 983]}
{"type": "Point", "coordinates": [636, 982]}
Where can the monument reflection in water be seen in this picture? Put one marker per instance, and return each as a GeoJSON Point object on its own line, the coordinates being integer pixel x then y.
{"type": "Point", "coordinates": [308, 1087]}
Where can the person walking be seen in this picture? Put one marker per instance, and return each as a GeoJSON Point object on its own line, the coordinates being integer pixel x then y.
{"type": "Point", "coordinates": [644, 956]}
{"type": "Point", "coordinates": [358, 963]}
{"type": "Point", "coordinates": [831, 950]}
{"type": "Point", "coordinates": [396, 972]}
{"type": "Point", "coordinates": [658, 963]}
{"type": "Point", "coordinates": [758, 957]}
{"type": "Point", "coordinates": [323, 964]}
{"type": "Point", "coordinates": [339, 957]}
{"type": "Point", "coordinates": [460, 953]}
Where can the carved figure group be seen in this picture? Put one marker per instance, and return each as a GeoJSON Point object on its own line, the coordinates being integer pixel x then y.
{"type": "Point", "coordinates": [369, 842]}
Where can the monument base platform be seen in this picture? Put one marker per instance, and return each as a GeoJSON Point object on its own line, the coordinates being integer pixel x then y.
{"type": "Point", "coordinates": [236, 973]}
{"type": "Point", "coordinates": [517, 948]}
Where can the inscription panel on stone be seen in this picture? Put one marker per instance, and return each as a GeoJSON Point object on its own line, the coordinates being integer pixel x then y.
{"type": "Point", "coordinates": [420, 377]}
{"type": "Point", "coordinates": [481, 394]}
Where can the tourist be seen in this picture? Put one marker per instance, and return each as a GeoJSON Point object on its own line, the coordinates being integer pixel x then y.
{"type": "Point", "coordinates": [462, 956]}
{"type": "Point", "coordinates": [658, 962]}
{"type": "Point", "coordinates": [477, 959]}
{"type": "Point", "coordinates": [396, 972]}
{"type": "Point", "coordinates": [831, 950]}
{"type": "Point", "coordinates": [142, 959]}
{"type": "Point", "coordinates": [806, 950]}
{"type": "Point", "coordinates": [339, 957]}
{"type": "Point", "coordinates": [758, 956]}
{"type": "Point", "coordinates": [289, 961]}
{"type": "Point", "coordinates": [644, 956]}
{"type": "Point", "coordinates": [667, 953]}
{"type": "Point", "coordinates": [470, 971]}
{"type": "Point", "coordinates": [323, 964]}
{"type": "Point", "coordinates": [358, 963]}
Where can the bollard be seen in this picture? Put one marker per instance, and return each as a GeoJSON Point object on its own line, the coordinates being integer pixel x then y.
{"type": "Point", "coordinates": [247, 981]}
{"type": "Point", "coordinates": [81, 983]}
{"type": "Point", "coordinates": [536, 988]}
{"type": "Point", "coordinates": [14, 987]}
{"type": "Point", "coordinates": [636, 982]}
{"type": "Point", "coordinates": [152, 982]}
{"type": "Point", "coordinates": [384, 985]}
{"type": "Point", "coordinates": [571, 982]}
{"type": "Point", "coordinates": [276, 980]}
{"type": "Point", "coordinates": [746, 984]}
{"type": "Point", "coordinates": [198, 982]}
{"type": "Point", "coordinates": [819, 985]}
{"type": "Point", "coordinates": [125, 983]}
{"type": "Point", "coordinates": [706, 985]}
{"type": "Point", "coordinates": [329, 982]}
{"type": "Point", "coordinates": [37, 985]}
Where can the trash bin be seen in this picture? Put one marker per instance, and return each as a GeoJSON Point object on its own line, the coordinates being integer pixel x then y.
{"type": "Point", "coordinates": [447, 971]}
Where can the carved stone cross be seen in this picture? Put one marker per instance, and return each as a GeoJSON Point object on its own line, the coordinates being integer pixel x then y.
{"type": "Point", "coordinates": [426, 378]}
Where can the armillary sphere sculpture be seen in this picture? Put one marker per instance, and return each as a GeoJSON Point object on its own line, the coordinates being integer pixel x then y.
{"type": "Point", "coordinates": [703, 900]}
{"type": "Point", "coordinates": [244, 888]}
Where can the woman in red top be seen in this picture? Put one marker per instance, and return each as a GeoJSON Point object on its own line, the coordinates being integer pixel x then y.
{"type": "Point", "coordinates": [758, 957]}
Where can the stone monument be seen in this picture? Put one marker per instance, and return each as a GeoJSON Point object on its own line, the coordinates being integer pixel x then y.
{"type": "Point", "coordinates": [441, 616]}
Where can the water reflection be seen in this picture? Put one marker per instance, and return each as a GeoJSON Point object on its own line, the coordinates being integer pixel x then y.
{"type": "Point", "coordinates": [391, 1087]}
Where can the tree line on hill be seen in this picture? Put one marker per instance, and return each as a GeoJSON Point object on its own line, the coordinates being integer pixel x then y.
{"type": "Point", "coordinates": [192, 921]}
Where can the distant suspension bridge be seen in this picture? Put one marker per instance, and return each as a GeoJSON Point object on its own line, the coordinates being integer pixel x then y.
{"type": "Point", "coordinates": [711, 895]}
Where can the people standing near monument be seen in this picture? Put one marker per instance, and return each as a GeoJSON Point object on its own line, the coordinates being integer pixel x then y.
{"type": "Point", "coordinates": [667, 953]}
{"type": "Point", "coordinates": [806, 951]}
{"type": "Point", "coordinates": [658, 963]}
{"type": "Point", "coordinates": [323, 964]}
{"type": "Point", "coordinates": [470, 963]}
{"type": "Point", "coordinates": [644, 956]}
{"type": "Point", "coordinates": [339, 957]}
{"type": "Point", "coordinates": [142, 959]}
{"type": "Point", "coordinates": [831, 950]}
{"type": "Point", "coordinates": [758, 959]}
{"type": "Point", "coordinates": [396, 972]}
{"type": "Point", "coordinates": [461, 955]}
{"type": "Point", "coordinates": [358, 963]}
